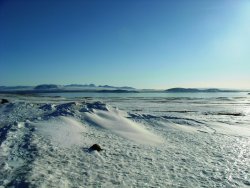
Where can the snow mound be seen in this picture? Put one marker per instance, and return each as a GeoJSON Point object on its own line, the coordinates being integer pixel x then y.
{"type": "Point", "coordinates": [65, 109]}
{"type": "Point", "coordinates": [97, 106]}
{"type": "Point", "coordinates": [47, 107]}
{"type": "Point", "coordinates": [65, 131]}
{"type": "Point", "coordinates": [116, 121]}
{"type": "Point", "coordinates": [91, 107]}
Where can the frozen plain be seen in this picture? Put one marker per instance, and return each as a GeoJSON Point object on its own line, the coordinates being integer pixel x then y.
{"type": "Point", "coordinates": [147, 142]}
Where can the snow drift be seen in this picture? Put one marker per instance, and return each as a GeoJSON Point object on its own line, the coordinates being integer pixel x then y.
{"type": "Point", "coordinates": [64, 131]}
{"type": "Point", "coordinates": [115, 121]}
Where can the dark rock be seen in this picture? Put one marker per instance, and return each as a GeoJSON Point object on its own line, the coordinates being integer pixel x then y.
{"type": "Point", "coordinates": [3, 101]}
{"type": "Point", "coordinates": [96, 105]}
{"type": "Point", "coordinates": [46, 107]}
{"type": "Point", "coordinates": [95, 147]}
{"type": "Point", "coordinates": [225, 113]}
{"type": "Point", "coordinates": [230, 114]}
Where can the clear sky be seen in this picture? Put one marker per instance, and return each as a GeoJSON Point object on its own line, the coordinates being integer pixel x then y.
{"type": "Point", "coordinates": [141, 43]}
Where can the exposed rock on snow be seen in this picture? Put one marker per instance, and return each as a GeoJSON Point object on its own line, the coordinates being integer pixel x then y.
{"type": "Point", "coordinates": [97, 106]}
{"type": "Point", "coordinates": [47, 107]}
{"type": "Point", "coordinates": [66, 109]}
{"type": "Point", "coordinates": [95, 147]}
{"type": "Point", "coordinates": [3, 101]}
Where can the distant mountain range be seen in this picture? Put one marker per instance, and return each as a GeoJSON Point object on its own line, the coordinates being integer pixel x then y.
{"type": "Point", "coordinates": [64, 88]}
{"type": "Point", "coordinates": [53, 88]}
{"type": "Point", "coordinates": [100, 86]}
{"type": "Point", "coordinates": [79, 86]}
{"type": "Point", "coordinates": [195, 90]}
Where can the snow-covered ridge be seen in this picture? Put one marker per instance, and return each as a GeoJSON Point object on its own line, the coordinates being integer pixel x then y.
{"type": "Point", "coordinates": [117, 122]}
{"type": "Point", "coordinates": [104, 116]}
{"type": "Point", "coordinates": [69, 115]}
{"type": "Point", "coordinates": [33, 128]}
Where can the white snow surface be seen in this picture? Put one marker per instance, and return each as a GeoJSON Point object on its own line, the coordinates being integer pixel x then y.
{"type": "Point", "coordinates": [113, 120]}
{"type": "Point", "coordinates": [64, 131]}
{"type": "Point", "coordinates": [146, 142]}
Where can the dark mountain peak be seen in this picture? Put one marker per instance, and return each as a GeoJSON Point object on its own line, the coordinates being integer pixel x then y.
{"type": "Point", "coordinates": [46, 86]}
{"type": "Point", "coordinates": [80, 85]}
{"type": "Point", "coordinates": [178, 89]}
{"type": "Point", "coordinates": [193, 90]}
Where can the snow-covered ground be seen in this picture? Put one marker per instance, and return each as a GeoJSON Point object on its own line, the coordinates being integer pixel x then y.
{"type": "Point", "coordinates": [146, 142]}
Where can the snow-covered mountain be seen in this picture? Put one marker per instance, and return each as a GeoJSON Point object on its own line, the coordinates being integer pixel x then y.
{"type": "Point", "coordinates": [70, 87]}
{"type": "Point", "coordinates": [195, 90]}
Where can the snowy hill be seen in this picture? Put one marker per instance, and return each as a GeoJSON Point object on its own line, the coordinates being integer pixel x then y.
{"type": "Point", "coordinates": [65, 88]}
{"type": "Point", "coordinates": [195, 90]}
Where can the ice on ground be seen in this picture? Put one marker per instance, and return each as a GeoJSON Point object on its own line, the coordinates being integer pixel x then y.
{"type": "Point", "coordinates": [233, 129]}
{"type": "Point", "coordinates": [65, 131]}
{"type": "Point", "coordinates": [44, 142]}
{"type": "Point", "coordinates": [114, 120]}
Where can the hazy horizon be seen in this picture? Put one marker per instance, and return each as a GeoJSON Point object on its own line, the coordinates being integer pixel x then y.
{"type": "Point", "coordinates": [142, 44]}
{"type": "Point", "coordinates": [96, 85]}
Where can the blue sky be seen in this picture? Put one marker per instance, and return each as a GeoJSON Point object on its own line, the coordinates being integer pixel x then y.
{"type": "Point", "coordinates": [142, 43]}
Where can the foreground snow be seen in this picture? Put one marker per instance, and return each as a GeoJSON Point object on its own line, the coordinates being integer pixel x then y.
{"type": "Point", "coordinates": [63, 131]}
{"type": "Point", "coordinates": [114, 120]}
{"type": "Point", "coordinates": [147, 142]}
